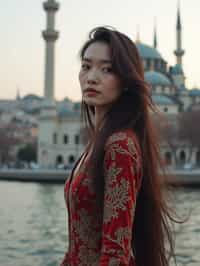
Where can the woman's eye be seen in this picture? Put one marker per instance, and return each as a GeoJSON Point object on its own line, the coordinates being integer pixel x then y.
{"type": "Point", "coordinates": [85, 67]}
{"type": "Point", "coordinates": [107, 69]}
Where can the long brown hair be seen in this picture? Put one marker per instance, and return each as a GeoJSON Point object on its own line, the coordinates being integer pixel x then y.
{"type": "Point", "coordinates": [151, 229]}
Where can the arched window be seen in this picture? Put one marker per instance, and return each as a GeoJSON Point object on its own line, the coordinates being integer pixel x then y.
{"type": "Point", "coordinates": [76, 139]}
{"type": "Point", "coordinates": [55, 139]}
{"type": "Point", "coordinates": [198, 158]}
{"type": "Point", "coordinates": [182, 157]}
{"type": "Point", "coordinates": [59, 159]}
{"type": "Point", "coordinates": [71, 159]}
{"type": "Point", "coordinates": [65, 139]}
{"type": "Point", "coordinates": [168, 158]}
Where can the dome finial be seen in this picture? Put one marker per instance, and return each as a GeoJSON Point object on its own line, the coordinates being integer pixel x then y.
{"type": "Point", "coordinates": [178, 23]}
{"type": "Point", "coordinates": [179, 52]}
{"type": "Point", "coordinates": [155, 43]}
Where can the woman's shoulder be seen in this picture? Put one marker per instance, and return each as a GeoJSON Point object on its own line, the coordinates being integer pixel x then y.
{"type": "Point", "coordinates": [125, 137]}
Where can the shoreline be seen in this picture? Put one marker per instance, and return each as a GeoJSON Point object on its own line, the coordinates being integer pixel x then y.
{"type": "Point", "coordinates": [190, 178]}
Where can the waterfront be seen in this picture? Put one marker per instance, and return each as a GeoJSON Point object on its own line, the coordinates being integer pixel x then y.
{"type": "Point", "coordinates": [33, 225]}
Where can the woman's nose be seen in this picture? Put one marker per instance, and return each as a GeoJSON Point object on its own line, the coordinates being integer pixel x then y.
{"type": "Point", "coordinates": [92, 76]}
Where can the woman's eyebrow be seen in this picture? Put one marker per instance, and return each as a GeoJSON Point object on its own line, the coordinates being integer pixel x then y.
{"type": "Point", "coordinates": [101, 61]}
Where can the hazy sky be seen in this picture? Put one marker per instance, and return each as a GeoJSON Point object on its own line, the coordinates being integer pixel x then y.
{"type": "Point", "coordinates": [22, 47]}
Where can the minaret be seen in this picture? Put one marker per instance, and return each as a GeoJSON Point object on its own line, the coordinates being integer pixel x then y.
{"type": "Point", "coordinates": [179, 52]}
{"type": "Point", "coordinates": [155, 43]}
{"type": "Point", "coordinates": [50, 36]}
{"type": "Point", "coordinates": [18, 95]}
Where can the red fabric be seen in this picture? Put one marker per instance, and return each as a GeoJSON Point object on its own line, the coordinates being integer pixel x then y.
{"type": "Point", "coordinates": [90, 243]}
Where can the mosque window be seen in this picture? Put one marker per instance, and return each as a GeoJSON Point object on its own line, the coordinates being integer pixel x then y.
{"type": "Point", "coordinates": [168, 158]}
{"type": "Point", "coordinates": [65, 139]}
{"type": "Point", "coordinates": [167, 90]}
{"type": "Point", "coordinates": [59, 159]}
{"type": "Point", "coordinates": [156, 64]}
{"type": "Point", "coordinates": [158, 89]}
{"type": "Point", "coordinates": [198, 158]}
{"type": "Point", "coordinates": [182, 157]}
{"type": "Point", "coordinates": [71, 159]}
{"type": "Point", "coordinates": [76, 139]}
{"type": "Point", "coordinates": [55, 138]}
{"type": "Point", "coordinates": [148, 64]}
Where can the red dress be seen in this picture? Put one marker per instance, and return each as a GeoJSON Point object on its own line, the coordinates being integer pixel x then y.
{"type": "Point", "coordinates": [90, 243]}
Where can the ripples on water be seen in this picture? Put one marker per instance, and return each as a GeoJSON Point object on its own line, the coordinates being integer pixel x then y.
{"type": "Point", "coordinates": [33, 225]}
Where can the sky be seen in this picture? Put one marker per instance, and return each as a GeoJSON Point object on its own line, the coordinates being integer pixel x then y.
{"type": "Point", "coordinates": [22, 48]}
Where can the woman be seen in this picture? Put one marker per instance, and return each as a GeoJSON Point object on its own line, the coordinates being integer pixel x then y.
{"type": "Point", "coordinates": [116, 208]}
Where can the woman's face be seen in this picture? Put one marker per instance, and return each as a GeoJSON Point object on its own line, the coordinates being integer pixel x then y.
{"type": "Point", "coordinates": [99, 85]}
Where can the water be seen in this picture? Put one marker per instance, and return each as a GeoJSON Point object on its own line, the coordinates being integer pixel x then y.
{"type": "Point", "coordinates": [33, 225]}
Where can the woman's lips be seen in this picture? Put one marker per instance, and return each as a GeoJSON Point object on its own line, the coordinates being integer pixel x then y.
{"type": "Point", "coordinates": [91, 92]}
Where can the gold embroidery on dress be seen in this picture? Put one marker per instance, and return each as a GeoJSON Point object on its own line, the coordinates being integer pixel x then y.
{"type": "Point", "coordinates": [115, 199]}
{"type": "Point", "coordinates": [116, 137]}
{"type": "Point", "coordinates": [112, 173]}
{"type": "Point", "coordinates": [114, 262]}
{"type": "Point", "coordinates": [88, 237]}
{"type": "Point", "coordinates": [122, 233]}
{"type": "Point", "coordinates": [88, 257]}
{"type": "Point", "coordinates": [131, 147]}
{"type": "Point", "coordinates": [116, 148]}
{"type": "Point", "coordinates": [116, 196]}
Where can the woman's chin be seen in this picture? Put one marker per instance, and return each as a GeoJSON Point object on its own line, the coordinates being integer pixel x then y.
{"type": "Point", "coordinates": [90, 101]}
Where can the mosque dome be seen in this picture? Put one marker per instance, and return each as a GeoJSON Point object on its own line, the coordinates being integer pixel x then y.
{"type": "Point", "coordinates": [31, 97]}
{"type": "Point", "coordinates": [157, 78]}
{"type": "Point", "coordinates": [194, 92]}
{"type": "Point", "coordinates": [148, 52]}
{"type": "Point", "coordinates": [162, 100]}
{"type": "Point", "coordinates": [177, 70]}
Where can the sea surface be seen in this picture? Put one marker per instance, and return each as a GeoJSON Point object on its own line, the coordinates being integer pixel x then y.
{"type": "Point", "coordinates": [33, 225]}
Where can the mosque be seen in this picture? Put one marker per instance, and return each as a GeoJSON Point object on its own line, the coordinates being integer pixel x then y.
{"type": "Point", "coordinates": [59, 140]}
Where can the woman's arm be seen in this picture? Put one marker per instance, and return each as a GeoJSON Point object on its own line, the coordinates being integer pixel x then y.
{"type": "Point", "coordinates": [122, 171]}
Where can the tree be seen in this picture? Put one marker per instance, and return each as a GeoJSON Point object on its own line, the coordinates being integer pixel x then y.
{"type": "Point", "coordinates": [167, 132]}
{"type": "Point", "coordinates": [7, 143]}
{"type": "Point", "coordinates": [189, 128]}
{"type": "Point", "coordinates": [27, 153]}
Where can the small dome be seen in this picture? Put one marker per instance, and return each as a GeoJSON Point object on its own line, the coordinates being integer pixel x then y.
{"type": "Point", "coordinates": [162, 100]}
{"type": "Point", "coordinates": [77, 106]}
{"type": "Point", "coordinates": [32, 97]}
{"type": "Point", "coordinates": [68, 113]}
{"type": "Point", "coordinates": [148, 51]}
{"type": "Point", "coordinates": [194, 92]}
{"type": "Point", "coordinates": [177, 70]}
{"type": "Point", "coordinates": [157, 78]}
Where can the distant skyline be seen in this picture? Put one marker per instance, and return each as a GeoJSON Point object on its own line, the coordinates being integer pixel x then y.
{"type": "Point", "coordinates": [22, 47]}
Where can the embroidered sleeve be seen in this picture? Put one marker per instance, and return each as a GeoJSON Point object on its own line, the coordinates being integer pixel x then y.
{"type": "Point", "coordinates": [121, 172]}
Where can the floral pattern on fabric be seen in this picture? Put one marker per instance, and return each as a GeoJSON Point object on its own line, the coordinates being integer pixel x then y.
{"type": "Point", "coordinates": [92, 243]}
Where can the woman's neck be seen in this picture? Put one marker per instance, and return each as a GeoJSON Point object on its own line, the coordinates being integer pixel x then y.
{"type": "Point", "coordinates": [100, 112]}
